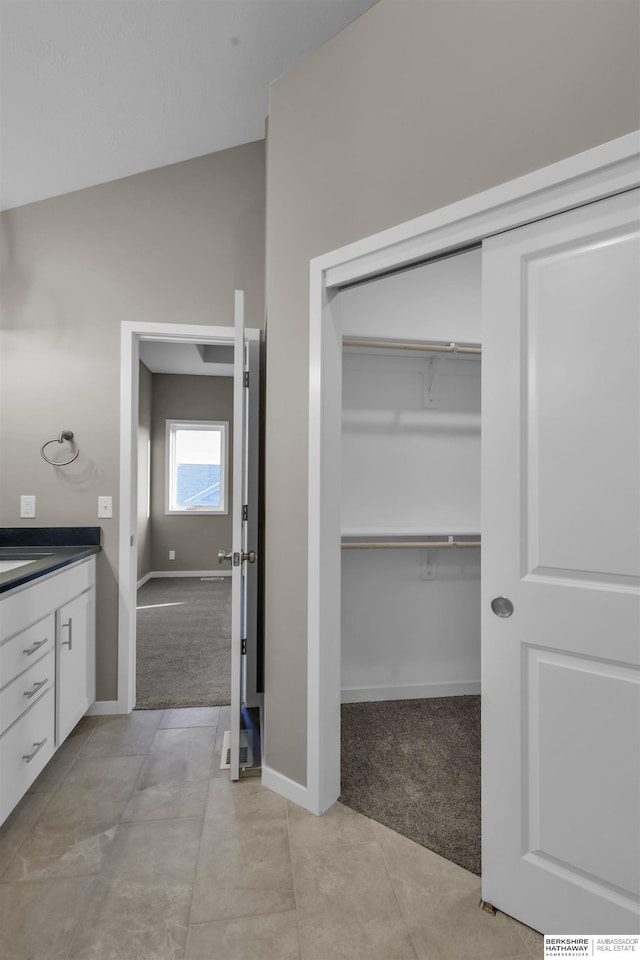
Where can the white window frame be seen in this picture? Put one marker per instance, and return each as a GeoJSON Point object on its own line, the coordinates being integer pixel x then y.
{"type": "Point", "coordinates": [170, 429]}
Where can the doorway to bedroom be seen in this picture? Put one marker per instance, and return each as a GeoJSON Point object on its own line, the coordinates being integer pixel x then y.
{"type": "Point", "coordinates": [183, 609]}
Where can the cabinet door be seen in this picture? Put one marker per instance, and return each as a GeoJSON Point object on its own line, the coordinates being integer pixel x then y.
{"type": "Point", "coordinates": [75, 639]}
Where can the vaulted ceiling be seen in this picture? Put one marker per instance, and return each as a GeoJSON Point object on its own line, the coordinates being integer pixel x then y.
{"type": "Point", "coordinates": [95, 90]}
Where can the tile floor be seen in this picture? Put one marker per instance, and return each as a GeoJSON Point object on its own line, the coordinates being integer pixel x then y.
{"type": "Point", "coordinates": [134, 845]}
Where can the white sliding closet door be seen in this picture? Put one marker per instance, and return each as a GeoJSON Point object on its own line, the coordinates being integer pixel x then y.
{"type": "Point", "coordinates": [561, 541]}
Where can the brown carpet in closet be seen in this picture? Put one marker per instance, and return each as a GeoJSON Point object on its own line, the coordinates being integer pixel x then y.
{"type": "Point", "coordinates": [414, 765]}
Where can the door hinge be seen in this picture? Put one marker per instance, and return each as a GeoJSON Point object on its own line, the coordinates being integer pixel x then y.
{"type": "Point", "coordinates": [246, 378]}
{"type": "Point", "coordinates": [244, 647]}
{"type": "Point", "coordinates": [245, 511]}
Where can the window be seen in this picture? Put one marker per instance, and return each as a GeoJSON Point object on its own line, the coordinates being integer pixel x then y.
{"type": "Point", "coordinates": [196, 463]}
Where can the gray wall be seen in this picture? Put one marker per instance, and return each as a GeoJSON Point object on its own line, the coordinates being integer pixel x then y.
{"type": "Point", "coordinates": [169, 245]}
{"type": "Point", "coordinates": [413, 106]}
{"type": "Point", "coordinates": [144, 468]}
{"type": "Point", "coordinates": [196, 539]}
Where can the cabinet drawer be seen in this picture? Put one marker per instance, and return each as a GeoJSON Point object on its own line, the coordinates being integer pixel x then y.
{"type": "Point", "coordinates": [26, 648]}
{"type": "Point", "coordinates": [31, 602]}
{"type": "Point", "coordinates": [25, 749]}
{"type": "Point", "coordinates": [26, 689]}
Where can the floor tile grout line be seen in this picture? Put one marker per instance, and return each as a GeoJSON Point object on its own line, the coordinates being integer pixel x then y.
{"type": "Point", "coordinates": [403, 913]}
{"type": "Point", "coordinates": [51, 793]}
{"type": "Point", "coordinates": [190, 726]}
{"type": "Point", "coordinates": [120, 823]}
{"type": "Point", "coordinates": [340, 843]}
{"type": "Point", "coordinates": [95, 876]}
{"type": "Point", "coordinates": [76, 929]}
{"type": "Point", "coordinates": [204, 820]}
{"type": "Point", "coordinates": [190, 924]}
{"type": "Point", "coordinates": [244, 916]}
{"type": "Point", "coordinates": [514, 923]}
{"type": "Point", "coordinates": [24, 839]}
{"type": "Point", "coordinates": [293, 880]}
{"type": "Point", "coordinates": [129, 823]}
{"type": "Point", "coordinates": [137, 780]}
{"type": "Point", "coordinates": [532, 953]}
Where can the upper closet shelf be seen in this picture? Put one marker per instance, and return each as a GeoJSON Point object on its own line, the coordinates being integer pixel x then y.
{"type": "Point", "coordinates": [452, 347]}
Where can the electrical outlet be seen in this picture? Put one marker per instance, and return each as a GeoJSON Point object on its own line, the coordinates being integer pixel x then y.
{"type": "Point", "coordinates": [172, 554]}
{"type": "Point", "coordinates": [105, 508]}
{"type": "Point", "coordinates": [28, 507]}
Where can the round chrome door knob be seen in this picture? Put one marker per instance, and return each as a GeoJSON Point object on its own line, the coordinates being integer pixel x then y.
{"type": "Point", "coordinates": [502, 606]}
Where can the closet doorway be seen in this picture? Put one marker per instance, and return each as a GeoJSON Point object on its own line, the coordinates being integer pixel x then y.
{"type": "Point", "coordinates": [560, 601]}
{"type": "Point", "coordinates": [410, 583]}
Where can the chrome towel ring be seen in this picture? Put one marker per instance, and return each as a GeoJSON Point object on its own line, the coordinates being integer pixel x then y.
{"type": "Point", "coordinates": [65, 435]}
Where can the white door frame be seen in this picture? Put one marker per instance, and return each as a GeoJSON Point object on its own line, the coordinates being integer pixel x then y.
{"type": "Point", "coordinates": [602, 171]}
{"type": "Point", "coordinates": [131, 335]}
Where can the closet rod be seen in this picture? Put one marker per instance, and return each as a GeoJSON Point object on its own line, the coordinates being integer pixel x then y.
{"type": "Point", "coordinates": [425, 347]}
{"type": "Point", "coordinates": [403, 544]}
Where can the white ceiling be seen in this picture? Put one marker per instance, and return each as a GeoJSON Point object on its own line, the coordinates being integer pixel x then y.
{"type": "Point", "coordinates": [161, 356]}
{"type": "Point", "coordinates": [95, 90]}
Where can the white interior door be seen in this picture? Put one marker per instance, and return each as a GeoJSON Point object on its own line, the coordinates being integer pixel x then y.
{"type": "Point", "coordinates": [561, 542]}
{"type": "Point", "coordinates": [251, 678]}
{"type": "Point", "coordinates": [237, 537]}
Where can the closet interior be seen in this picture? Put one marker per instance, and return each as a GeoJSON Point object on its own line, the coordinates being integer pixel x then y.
{"type": "Point", "coordinates": [411, 542]}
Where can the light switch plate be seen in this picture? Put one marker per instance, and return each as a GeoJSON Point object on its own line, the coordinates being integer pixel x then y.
{"type": "Point", "coordinates": [105, 508]}
{"type": "Point", "coordinates": [27, 507]}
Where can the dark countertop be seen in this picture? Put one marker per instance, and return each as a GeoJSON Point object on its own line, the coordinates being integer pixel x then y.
{"type": "Point", "coordinates": [45, 548]}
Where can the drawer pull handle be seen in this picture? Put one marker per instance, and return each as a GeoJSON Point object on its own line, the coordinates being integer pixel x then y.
{"type": "Point", "coordinates": [36, 646]}
{"type": "Point", "coordinates": [36, 687]}
{"type": "Point", "coordinates": [28, 757]}
{"type": "Point", "coordinates": [69, 624]}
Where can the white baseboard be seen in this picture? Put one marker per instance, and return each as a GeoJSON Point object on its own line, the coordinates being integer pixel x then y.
{"type": "Point", "coordinates": [285, 787]}
{"type": "Point", "coordinates": [103, 708]}
{"type": "Point", "coordinates": [188, 573]}
{"type": "Point", "coordinates": [413, 691]}
{"type": "Point", "coordinates": [181, 573]}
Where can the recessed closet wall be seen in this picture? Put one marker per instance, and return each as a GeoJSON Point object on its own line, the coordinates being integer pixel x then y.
{"type": "Point", "coordinates": [411, 474]}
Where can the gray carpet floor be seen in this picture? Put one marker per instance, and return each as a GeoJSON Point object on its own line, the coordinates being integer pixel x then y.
{"type": "Point", "coordinates": [414, 765]}
{"type": "Point", "coordinates": [183, 646]}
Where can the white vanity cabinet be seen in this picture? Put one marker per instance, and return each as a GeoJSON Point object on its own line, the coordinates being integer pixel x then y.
{"type": "Point", "coordinates": [47, 671]}
{"type": "Point", "coordinates": [76, 664]}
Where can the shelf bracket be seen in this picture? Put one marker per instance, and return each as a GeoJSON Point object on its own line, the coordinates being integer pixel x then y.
{"type": "Point", "coordinates": [432, 372]}
{"type": "Point", "coordinates": [429, 570]}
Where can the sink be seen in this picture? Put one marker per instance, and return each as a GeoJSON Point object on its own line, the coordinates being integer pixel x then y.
{"type": "Point", "coordinates": [6, 565]}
